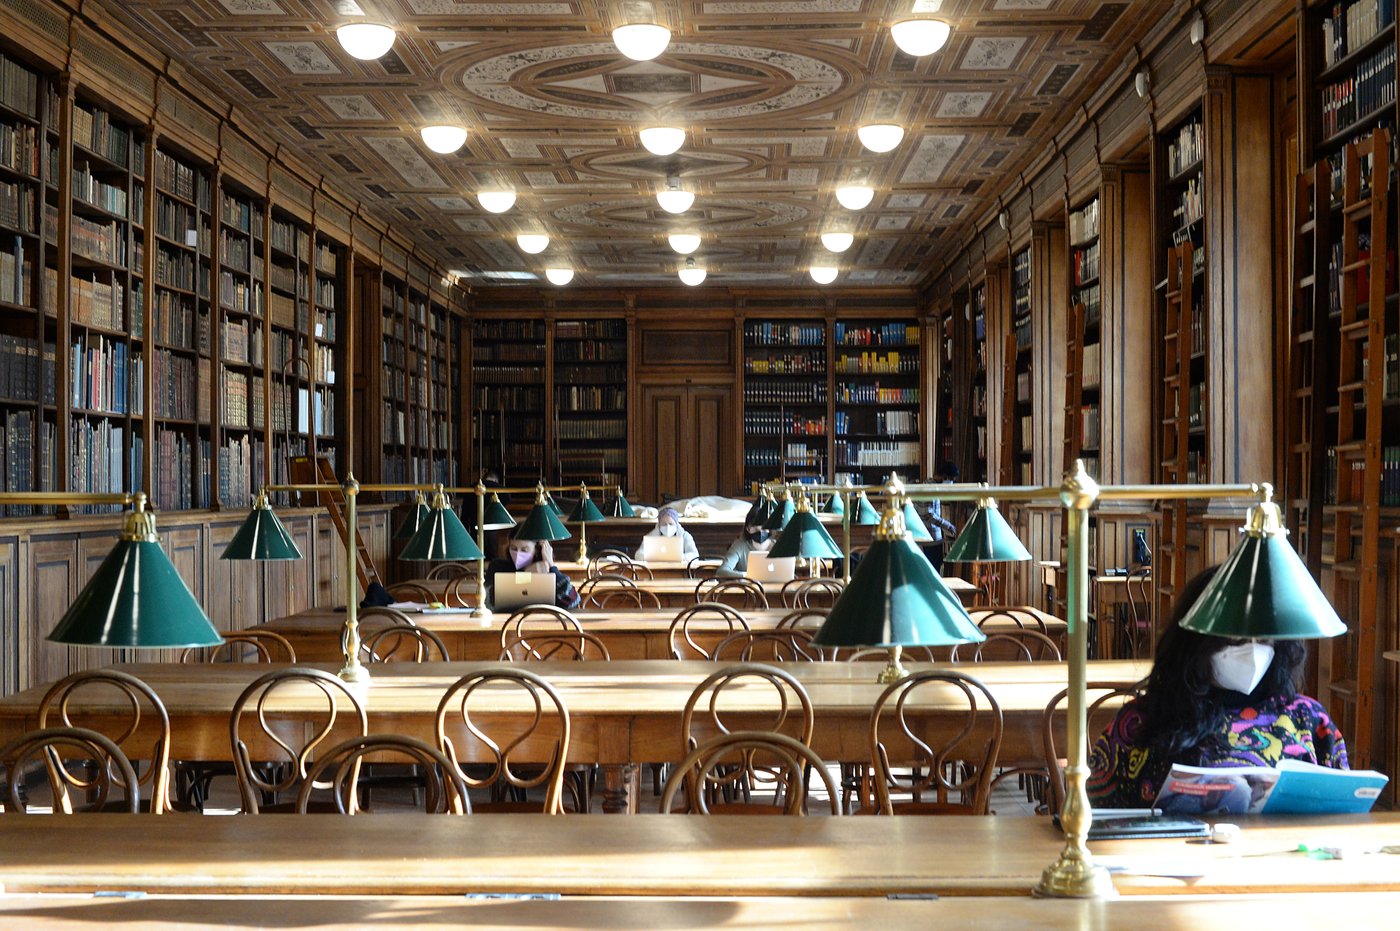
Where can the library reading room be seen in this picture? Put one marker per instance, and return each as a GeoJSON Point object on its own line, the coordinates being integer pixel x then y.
{"type": "Point", "coordinates": [446, 442]}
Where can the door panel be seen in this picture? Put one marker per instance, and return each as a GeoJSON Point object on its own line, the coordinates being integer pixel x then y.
{"type": "Point", "coordinates": [663, 441]}
{"type": "Point", "coordinates": [687, 444]}
{"type": "Point", "coordinates": [711, 439]}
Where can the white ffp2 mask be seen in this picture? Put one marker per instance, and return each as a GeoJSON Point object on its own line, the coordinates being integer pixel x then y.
{"type": "Point", "coordinates": [668, 530]}
{"type": "Point", "coordinates": [1240, 666]}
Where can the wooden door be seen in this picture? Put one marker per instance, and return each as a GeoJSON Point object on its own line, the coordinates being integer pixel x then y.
{"type": "Point", "coordinates": [686, 442]}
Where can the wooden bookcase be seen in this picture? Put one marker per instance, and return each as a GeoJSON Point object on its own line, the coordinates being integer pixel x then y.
{"type": "Point", "coordinates": [590, 401]}
{"type": "Point", "coordinates": [241, 333]}
{"type": "Point", "coordinates": [964, 348]}
{"type": "Point", "coordinates": [877, 393]}
{"type": "Point", "coordinates": [440, 442]}
{"type": "Point", "coordinates": [1019, 411]}
{"type": "Point", "coordinates": [289, 369]}
{"type": "Point", "coordinates": [509, 359]}
{"type": "Point", "coordinates": [393, 420]}
{"type": "Point", "coordinates": [327, 347]}
{"type": "Point", "coordinates": [1082, 364]}
{"type": "Point", "coordinates": [786, 399]}
{"type": "Point", "coordinates": [946, 419]}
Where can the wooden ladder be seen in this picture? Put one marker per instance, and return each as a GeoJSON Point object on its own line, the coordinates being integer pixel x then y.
{"type": "Point", "coordinates": [1177, 333]}
{"type": "Point", "coordinates": [309, 470]}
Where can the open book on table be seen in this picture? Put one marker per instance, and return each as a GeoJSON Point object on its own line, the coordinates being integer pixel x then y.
{"type": "Point", "coordinates": [1292, 787]}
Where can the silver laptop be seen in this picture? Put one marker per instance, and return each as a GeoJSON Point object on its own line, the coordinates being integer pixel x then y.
{"type": "Point", "coordinates": [777, 569]}
{"type": "Point", "coordinates": [662, 549]}
{"type": "Point", "coordinates": [517, 589]}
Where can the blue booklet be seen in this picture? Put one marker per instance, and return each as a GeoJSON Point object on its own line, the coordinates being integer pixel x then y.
{"type": "Point", "coordinates": [1292, 787]}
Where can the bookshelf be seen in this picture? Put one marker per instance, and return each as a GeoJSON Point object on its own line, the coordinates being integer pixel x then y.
{"type": "Point", "coordinates": [418, 338]}
{"type": "Point", "coordinates": [393, 419]}
{"type": "Point", "coordinates": [877, 387]}
{"type": "Point", "coordinates": [1017, 433]}
{"type": "Point", "coordinates": [1083, 367]}
{"type": "Point", "coordinates": [786, 400]}
{"type": "Point", "coordinates": [964, 362]}
{"type": "Point", "coordinates": [590, 400]}
{"type": "Point", "coordinates": [289, 368]}
{"type": "Point", "coordinates": [508, 394]}
{"type": "Point", "coordinates": [945, 414]}
{"type": "Point", "coordinates": [439, 441]}
{"type": "Point", "coordinates": [241, 341]}
{"type": "Point", "coordinates": [327, 347]}
{"type": "Point", "coordinates": [1176, 465]}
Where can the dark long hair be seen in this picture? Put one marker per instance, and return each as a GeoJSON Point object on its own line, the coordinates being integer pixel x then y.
{"type": "Point", "coordinates": [1184, 712]}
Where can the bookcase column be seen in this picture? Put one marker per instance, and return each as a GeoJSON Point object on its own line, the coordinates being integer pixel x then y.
{"type": "Point", "coordinates": [1126, 335]}
{"type": "Point", "coordinates": [1049, 295]}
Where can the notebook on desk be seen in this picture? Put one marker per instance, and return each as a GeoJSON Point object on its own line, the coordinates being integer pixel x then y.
{"type": "Point", "coordinates": [776, 569]}
{"type": "Point", "coordinates": [517, 589]}
{"type": "Point", "coordinates": [661, 549]}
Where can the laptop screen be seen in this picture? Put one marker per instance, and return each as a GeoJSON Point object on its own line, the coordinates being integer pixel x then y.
{"type": "Point", "coordinates": [763, 568]}
{"type": "Point", "coordinates": [517, 589]}
{"type": "Point", "coordinates": [661, 549]}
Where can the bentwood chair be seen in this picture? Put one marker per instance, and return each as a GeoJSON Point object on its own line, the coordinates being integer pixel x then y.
{"type": "Point", "coordinates": [340, 767]}
{"type": "Point", "coordinates": [1104, 701]}
{"type": "Point", "coordinates": [612, 562]}
{"type": "Point", "coordinates": [244, 646]}
{"type": "Point", "coordinates": [449, 571]}
{"type": "Point", "coordinates": [256, 723]}
{"type": "Point", "coordinates": [396, 644]}
{"type": "Point", "coordinates": [578, 645]}
{"type": "Point", "coordinates": [790, 645]}
{"type": "Point", "coordinates": [803, 619]}
{"type": "Point", "coordinates": [819, 592]}
{"type": "Point", "coordinates": [1009, 646]}
{"type": "Point", "coordinates": [711, 767]}
{"type": "Point", "coordinates": [701, 567]}
{"type": "Point", "coordinates": [537, 619]}
{"type": "Point", "coordinates": [961, 765]}
{"type": "Point", "coordinates": [138, 711]}
{"type": "Point", "coordinates": [741, 593]}
{"type": "Point", "coordinates": [412, 591]}
{"type": "Point", "coordinates": [507, 760]}
{"type": "Point", "coordinates": [75, 760]}
{"type": "Point", "coordinates": [710, 617]}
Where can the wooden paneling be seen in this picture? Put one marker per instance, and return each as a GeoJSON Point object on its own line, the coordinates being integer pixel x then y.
{"type": "Point", "coordinates": [663, 430]}
{"type": "Point", "coordinates": [687, 445]}
{"type": "Point", "coordinates": [707, 348]}
{"type": "Point", "coordinates": [53, 584]}
{"type": "Point", "coordinates": [234, 597]}
{"type": "Point", "coordinates": [9, 612]}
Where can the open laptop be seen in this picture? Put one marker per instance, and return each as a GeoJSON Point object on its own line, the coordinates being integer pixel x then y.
{"type": "Point", "coordinates": [517, 589]}
{"type": "Point", "coordinates": [777, 569]}
{"type": "Point", "coordinates": [661, 549]}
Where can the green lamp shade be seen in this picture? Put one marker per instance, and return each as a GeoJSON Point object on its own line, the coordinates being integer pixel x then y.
{"type": "Point", "coordinates": [542, 524]}
{"type": "Point", "coordinates": [414, 521]}
{"type": "Point", "coordinates": [805, 536]}
{"type": "Point", "coordinates": [619, 507]}
{"type": "Point", "coordinates": [866, 515]}
{"type": "Point", "coordinates": [760, 512]}
{"type": "Point", "coordinates": [442, 537]}
{"type": "Point", "coordinates": [987, 538]}
{"type": "Point", "coordinates": [136, 599]}
{"type": "Point", "coordinates": [553, 505]}
{"type": "Point", "coordinates": [896, 599]}
{"type": "Point", "coordinates": [1263, 590]}
{"type": "Point", "coordinates": [586, 512]}
{"type": "Point", "coordinates": [834, 504]}
{"type": "Point", "coordinates": [261, 536]}
{"type": "Point", "coordinates": [497, 517]}
{"type": "Point", "coordinates": [914, 525]}
{"type": "Point", "coordinates": [778, 519]}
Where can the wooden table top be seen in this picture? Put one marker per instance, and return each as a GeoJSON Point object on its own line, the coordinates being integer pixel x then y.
{"type": "Point", "coordinates": [662, 585]}
{"type": "Point", "coordinates": [398, 854]}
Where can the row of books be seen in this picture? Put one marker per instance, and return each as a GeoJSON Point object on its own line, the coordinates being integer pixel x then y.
{"type": "Point", "coordinates": [19, 148]}
{"type": "Point", "coordinates": [591, 430]}
{"type": "Point", "coordinates": [323, 363]}
{"type": "Point", "coordinates": [785, 334]}
{"type": "Point", "coordinates": [174, 376]}
{"type": "Point", "coordinates": [760, 391]}
{"type": "Point", "coordinates": [1021, 324]}
{"type": "Point", "coordinates": [590, 329]}
{"type": "Point", "coordinates": [889, 334]}
{"type": "Point", "coordinates": [517, 400]}
{"type": "Point", "coordinates": [105, 376]}
{"type": "Point", "coordinates": [1093, 373]}
{"type": "Point", "coordinates": [326, 259]}
{"type": "Point", "coordinates": [94, 130]}
{"type": "Point", "coordinates": [504, 329]}
{"type": "Point", "coordinates": [291, 239]}
{"type": "Point", "coordinates": [1086, 264]}
{"type": "Point", "coordinates": [1351, 25]}
{"type": "Point", "coordinates": [1023, 387]}
{"type": "Point", "coordinates": [1092, 299]}
{"type": "Point", "coordinates": [590, 351]}
{"type": "Point", "coordinates": [101, 242]}
{"type": "Point", "coordinates": [289, 279]}
{"type": "Point", "coordinates": [782, 423]}
{"type": "Point", "coordinates": [589, 398]}
{"type": "Point", "coordinates": [1186, 149]}
{"type": "Point", "coordinates": [177, 270]}
{"type": "Point", "coordinates": [91, 302]}
{"type": "Point", "coordinates": [186, 183]}
{"type": "Point", "coordinates": [24, 369]}
{"type": "Point", "coordinates": [508, 352]}
{"type": "Point", "coordinates": [874, 394]}
{"type": "Point", "coordinates": [18, 207]}
{"type": "Point", "coordinates": [325, 292]}
{"type": "Point", "coordinates": [238, 460]}
{"type": "Point", "coordinates": [177, 322]}
{"type": "Point", "coordinates": [873, 363]}
{"type": "Point", "coordinates": [881, 454]}
{"type": "Point", "coordinates": [589, 374]}
{"type": "Point", "coordinates": [505, 375]}
{"type": "Point", "coordinates": [179, 460]}
{"type": "Point", "coordinates": [1370, 88]}
{"type": "Point", "coordinates": [1084, 223]}
{"type": "Point", "coordinates": [238, 407]}
{"type": "Point", "coordinates": [282, 311]}
{"type": "Point", "coordinates": [325, 324]}
{"type": "Point", "coordinates": [19, 87]}
{"type": "Point", "coordinates": [1188, 209]}
{"type": "Point", "coordinates": [1089, 422]}
{"type": "Point", "coordinates": [800, 457]}
{"type": "Point", "coordinates": [242, 215]}
{"type": "Point", "coordinates": [1390, 476]}
{"type": "Point", "coordinates": [1391, 380]}
{"type": "Point", "coordinates": [99, 459]}
{"type": "Point", "coordinates": [17, 455]}
{"type": "Point", "coordinates": [16, 275]}
{"type": "Point", "coordinates": [1355, 488]}
{"type": "Point", "coordinates": [1195, 406]}
{"type": "Point", "coordinates": [241, 296]}
{"type": "Point", "coordinates": [92, 190]}
{"type": "Point", "coordinates": [788, 363]}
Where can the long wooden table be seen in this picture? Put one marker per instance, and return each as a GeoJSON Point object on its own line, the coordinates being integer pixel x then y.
{"type": "Point", "coordinates": [621, 713]}
{"type": "Point", "coordinates": [627, 633]}
{"type": "Point", "coordinates": [673, 855]}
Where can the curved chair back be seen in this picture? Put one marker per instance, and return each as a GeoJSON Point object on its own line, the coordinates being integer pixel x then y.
{"type": "Point", "coordinates": [711, 770]}
{"type": "Point", "coordinates": [701, 568]}
{"type": "Point", "coordinates": [513, 754]}
{"type": "Point", "coordinates": [710, 616]}
{"type": "Point", "coordinates": [1009, 646]}
{"type": "Point", "coordinates": [67, 755]}
{"type": "Point", "coordinates": [454, 597]}
{"type": "Point", "coordinates": [742, 593]}
{"type": "Point", "coordinates": [790, 645]}
{"type": "Point", "coordinates": [339, 769]}
{"type": "Point", "coordinates": [626, 598]}
{"type": "Point", "coordinates": [139, 718]}
{"type": "Point", "coordinates": [537, 619]}
{"type": "Point", "coordinates": [411, 591]}
{"type": "Point", "coordinates": [803, 619]}
{"type": "Point", "coordinates": [449, 571]}
{"type": "Point", "coordinates": [710, 711]}
{"type": "Point", "coordinates": [599, 591]}
{"type": "Point", "coordinates": [577, 645]}
{"type": "Point", "coordinates": [1137, 635]}
{"type": "Point", "coordinates": [244, 646]}
{"type": "Point", "coordinates": [322, 700]}
{"type": "Point", "coordinates": [819, 592]}
{"type": "Point", "coordinates": [882, 655]}
{"type": "Point", "coordinates": [1105, 698]}
{"type": "Point", "coordinates": [611, 562]}
{"type": "Point", "coordinates": [996, 619]}
{"type": "Point", "coordinates": [403, 644]}
{"type": "Point", "coordinates": [961, 765]}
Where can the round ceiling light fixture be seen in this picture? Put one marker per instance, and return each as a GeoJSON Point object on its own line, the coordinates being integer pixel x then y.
{"type": "Point", "coordinates": [559, 276]}
{"type": "Point", "coordinates": [691, 274]}
{"type": "Point", "coordinates": [533, 243]}
{"type": "Point", "coordinates": [920, 37]}
{"type": "Point", "coordinates": [365, 41]}
{"type": "Point", "coordinates": [855, 196]}
{"type": "Point", "coordinates": [684, 243]}
{"type": "Point", "coordinates": [880, 137]}
{"type": "Point", "coordinates": [674, 199]}
{"type": "Point", "coordinates": [837, 241]}
{"type": "Point", "coordinates": [823, 274]}
{"type": "Point", "coordinates": [496, 201]}
{"type": "Point", "coordinates": [444, 140]}
{"type": "Point", "coordinates": [641, 41]}
{"type": "Point", "coordinates": [663, 140]}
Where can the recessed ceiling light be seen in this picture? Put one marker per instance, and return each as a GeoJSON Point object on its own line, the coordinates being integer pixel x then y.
{"type": "Point", "coordinates": [691, 274]}
{"type": "Point", "coordinates": [855, 196]}
{"type": "Point", "coordinates": [559, 276]}
{"type": "Point", "coordinates": [822, 274]}
{"type": "Point", "coordinates": [919, 37]}
{"type": "Point", "coordinates": [533, 243]}
{"type": "Point", "coordinates": [674, 199]}
{"type": "Point", "coordinates": [837, 242]}
{"type": "Point", "coordinates": [365, 41]}
{"type": "Point", "coordinates": [496, 201]}
{"type": "Point", "coordinates": [684, 243]}
{"type": "Point", "coordinates": [444, 140]}
{"type": "Point", "coordinates": [663, 140]}
{"type": "Point", "coordinates": [880, 137]}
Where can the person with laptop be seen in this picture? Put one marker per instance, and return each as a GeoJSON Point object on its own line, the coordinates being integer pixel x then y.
{"type": "Point", "coordinates": [1210, 701]}
{"type": "Point", "coordinates": [526, 558]}
{"type": "Point", "coordinates": [735, 564]}
{"type": "Point", "coordinates": [668, 527]}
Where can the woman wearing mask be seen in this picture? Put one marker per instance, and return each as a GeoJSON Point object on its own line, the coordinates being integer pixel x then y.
{"type": "Point", "coordinates": [668, 524]}
{"type": "Point", "coordinates": [532, 556]}
{"type": "Point", "coordinates": [736, 561]}
{"type": "Point", "coordinates": [1210, 701]}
